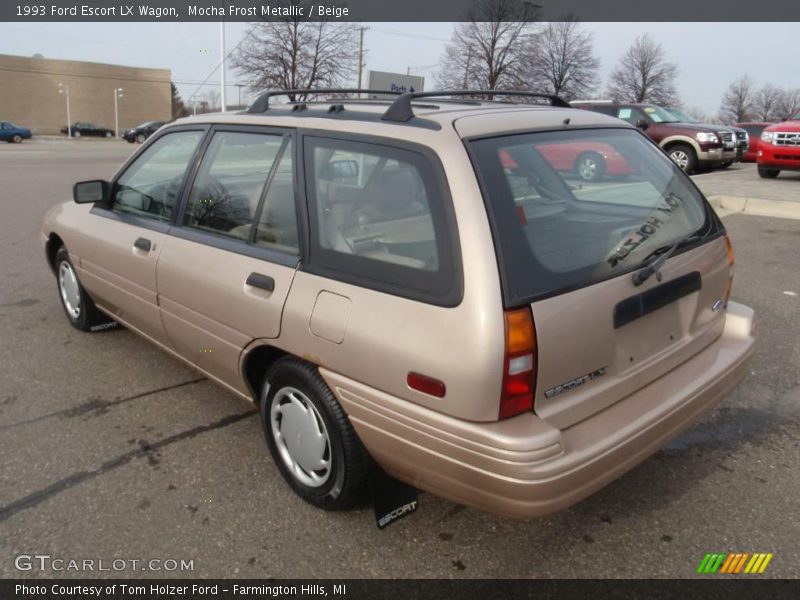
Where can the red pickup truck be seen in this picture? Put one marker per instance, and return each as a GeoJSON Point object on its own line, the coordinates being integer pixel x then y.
{"type": "Point", "coordinates": [780, 148]}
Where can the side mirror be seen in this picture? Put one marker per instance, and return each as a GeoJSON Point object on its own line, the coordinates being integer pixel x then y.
{"type": "Point", "coordinates": [87, 192]}
{"type": "Point", "coordinates": [642, 124]}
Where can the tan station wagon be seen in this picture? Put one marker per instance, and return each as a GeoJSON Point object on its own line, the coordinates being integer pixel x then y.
{"type": "Point", "coordinates": [425, 283]}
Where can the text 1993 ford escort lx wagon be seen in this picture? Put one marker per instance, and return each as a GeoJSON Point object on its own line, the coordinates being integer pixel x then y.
{"type": "Point", "coordinates": [426, 282]}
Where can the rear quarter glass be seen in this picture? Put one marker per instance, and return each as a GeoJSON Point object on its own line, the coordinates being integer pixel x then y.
{"type": "Point", "coordinates": [558, 228]}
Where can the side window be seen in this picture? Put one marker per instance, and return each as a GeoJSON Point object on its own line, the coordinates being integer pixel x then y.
{"type": "Point", "coordinates": [378, 212]}
{"type": "Point", "coordinates": [150, 186]}
{"type": "Point", "coordinates": [609, 110]}
{"type": "Point", "coordinates": [246, 178]}
{"type": "Point", "coordinates": [629, 114]}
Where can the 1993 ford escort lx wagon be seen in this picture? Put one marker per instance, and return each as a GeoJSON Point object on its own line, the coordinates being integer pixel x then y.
{"type": "Point", "coordinates": [425, 282]}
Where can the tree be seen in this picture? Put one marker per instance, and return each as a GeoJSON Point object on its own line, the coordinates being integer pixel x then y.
{"type": "Point", "coordinates": [294, 53]}
{"type": "Point", "coordinates": [738, 103]}
{"type": "Point", "coordinates": [560, 60]}
{"type": "Point", "coordinates": [788, 104]}
{"type": "Point", "coordinates": [766, 101]}
{"type": "Point", "coordinates": [487, 50]}
{"type": "Point", "coordinates": [178, 107]}
{"type": "Point", "coordinates": [643, 74]}
{"type": "Point", "coordinates": [699, 114]}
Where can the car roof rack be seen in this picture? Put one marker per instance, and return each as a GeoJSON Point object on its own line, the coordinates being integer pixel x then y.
{"type": "Point", "coordinates": [401, 111]}
{"type": "Point", "coordinates": [262, 102]}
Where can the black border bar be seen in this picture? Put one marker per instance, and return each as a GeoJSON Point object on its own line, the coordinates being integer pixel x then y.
{"type": "Point", "coordinates": [394, 11]}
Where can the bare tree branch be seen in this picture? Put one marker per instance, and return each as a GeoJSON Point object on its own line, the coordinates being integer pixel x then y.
{"type": "Point", "coordinates": [486, 51]}
{"type": "Point", "coordinates": [294, 53]}
{"type": "Point", "coordinates": [765, 103]}
{"type": "Point", "coordinates": [644, 75]}
{"type": "Point", "coordinates": [560, 59]}
{"type": "Point", "coordinates": [738, 103]}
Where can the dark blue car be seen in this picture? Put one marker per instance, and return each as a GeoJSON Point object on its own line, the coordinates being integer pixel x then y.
{"type": "Point", "coordinates": [13, 134]}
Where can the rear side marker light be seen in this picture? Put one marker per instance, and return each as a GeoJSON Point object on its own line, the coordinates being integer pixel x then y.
{"type": "Point", "coordinates": [426, 385]}
{"type": "Point", "coordinates": [519, 364]}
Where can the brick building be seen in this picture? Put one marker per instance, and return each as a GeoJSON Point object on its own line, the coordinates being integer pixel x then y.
{"type": "Point", "coordinates": [29, 93]}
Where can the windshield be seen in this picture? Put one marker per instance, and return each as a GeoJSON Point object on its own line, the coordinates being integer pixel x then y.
{"type": "Point", "coordinates": [660, 115]}
{"type": "Point", "coordinates": [570, 208]}
{"type": "Point", "coordinates": [683, 116]}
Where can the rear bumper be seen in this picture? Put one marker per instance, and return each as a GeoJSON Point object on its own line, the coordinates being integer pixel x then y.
{"type": "Point", "coordinates": [524, 467]}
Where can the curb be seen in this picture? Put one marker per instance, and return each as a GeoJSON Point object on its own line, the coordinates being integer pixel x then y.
{"type": "Point", "coordinates": [727, 205]}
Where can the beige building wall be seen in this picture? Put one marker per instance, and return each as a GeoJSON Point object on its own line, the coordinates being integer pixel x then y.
{"type": "Point", "coordinates": [29, 93]}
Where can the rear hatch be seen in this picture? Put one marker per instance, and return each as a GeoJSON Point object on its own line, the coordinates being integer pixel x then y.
{"type": "Point", "coordinates": [624, 264]}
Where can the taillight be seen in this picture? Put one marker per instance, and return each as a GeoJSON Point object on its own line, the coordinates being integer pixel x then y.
{"type": "Point", "coordinates": [729, 287]}
{"type": "Point", "coordinates": [519, 364]}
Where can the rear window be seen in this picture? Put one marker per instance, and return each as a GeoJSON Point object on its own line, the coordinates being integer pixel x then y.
{"type": "Point", "coordinates": [571, 208]}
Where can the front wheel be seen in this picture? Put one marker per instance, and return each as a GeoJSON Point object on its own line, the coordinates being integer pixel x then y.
{"type": "Point", "coordinates": [16, 139]}
{"type": "Point", "coordinates": [768, 173]}
{"type": "Point", "coordinates": [310, 437]}
{"type": "Point", "coordinates": [109, 134]}
{"type": "Point", "coordinates": [76, 134]}
{"type": "Point", "coordinates": [140, 139]}
{"type": "Point", "coordinates": [726, 164]}
{"type": "Point", "coordinates": [590, 166]}
{"type": "Point", "coordinates": [683, 156]}
{"type": "Point", "coordinates": [80, 309]}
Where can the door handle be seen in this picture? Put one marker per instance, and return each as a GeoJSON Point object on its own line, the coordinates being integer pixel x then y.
{"type": "Point", "coordinates": [263, 282]}
{"type": "Point", "coordinates": [142, 244]}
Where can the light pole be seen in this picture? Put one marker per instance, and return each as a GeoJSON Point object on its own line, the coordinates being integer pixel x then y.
{"type": "Point", "coordinates": [117, 95]}
{"type": "Point", "coordinates": [222, 72]}
{"type": "Point", "coordinates": [64, 89]}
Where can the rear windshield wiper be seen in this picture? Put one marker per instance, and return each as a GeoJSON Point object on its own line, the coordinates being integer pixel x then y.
{"type": "Point", "coordinates": [661, 255]}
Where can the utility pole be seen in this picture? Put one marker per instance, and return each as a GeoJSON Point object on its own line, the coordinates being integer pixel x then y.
{"type": "Point", "coordinates": [64, 89]}
{"type": "Point", "coordinates": [361, 31]}
{"type": "Point", "coordinates": [117, 96]}
{"type": "Point", "coordinates": [466, 69]}
{"type": "Point", "coordinates": [222, 71]}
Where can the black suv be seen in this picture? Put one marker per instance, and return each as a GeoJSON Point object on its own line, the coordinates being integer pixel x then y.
{"type": "Point", "coordinates": [141, 132]}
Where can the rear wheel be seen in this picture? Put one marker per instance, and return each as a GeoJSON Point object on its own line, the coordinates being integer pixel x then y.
{"type": "Point", "coordinates": [310, 437]}
{"type": "Point", "coordinates": [768, 173]}
{"type": "Point", "coordinates": [80, 309]}
{"type": "Point", "coordinates": [140, 139]}
{"type": "Point", "coordinates": [590, 166]}
{"type": "Point", "coordinates": [76, 134]}
{"type": "Point", "coordinates": [109, 134]}
{"type": "Point", "coordinates": [726, 164]}
{"type": "Point", "coordinates": [683, 156]}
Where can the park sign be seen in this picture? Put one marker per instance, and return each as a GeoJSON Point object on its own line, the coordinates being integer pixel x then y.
{"type": "Point", "coordinates": [393, 82]}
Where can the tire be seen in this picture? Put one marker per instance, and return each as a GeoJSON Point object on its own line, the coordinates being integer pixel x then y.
{"type": "Point", "coordinates": [140, 139]}
{"type": "Point", "coordinates": [16, 139]}
{"type": "Point", "coordinates": [76, 134]}
{"type": "Point", "coordinates": [683, 156]}
{"type": "Point", "coordinates": [590, 166]}
{"type": "Point", "coordinates": [78, 306]}
{"type": "Point", "coordinates": [768, 173]}
{"type": "Point", "coordinates": [295, 398]}
{"type": "Point", "coordinates": [108, 134]}
{"type": "Point", "coordinates": [726, 164]}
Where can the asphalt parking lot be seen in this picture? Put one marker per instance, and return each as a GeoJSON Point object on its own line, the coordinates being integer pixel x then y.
{"type": "Point", "coordinates": [112, 449]}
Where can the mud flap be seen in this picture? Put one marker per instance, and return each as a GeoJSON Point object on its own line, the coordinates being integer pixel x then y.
{"type": "Point", "coordinates": [391, 498]}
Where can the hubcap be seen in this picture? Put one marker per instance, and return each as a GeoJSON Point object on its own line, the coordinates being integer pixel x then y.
{"type": "Point", "coordinates": [70, 290]}
{"type": "Point", "coordinates": [587, 169]}
{"type": "Point", "coordinates": [681, 158]}
{"type": "Point", "coordinates": [301, 437]}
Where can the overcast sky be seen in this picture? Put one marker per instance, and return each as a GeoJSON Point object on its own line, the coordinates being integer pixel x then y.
{"type": "Point", "coordinates": [709, 55]}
